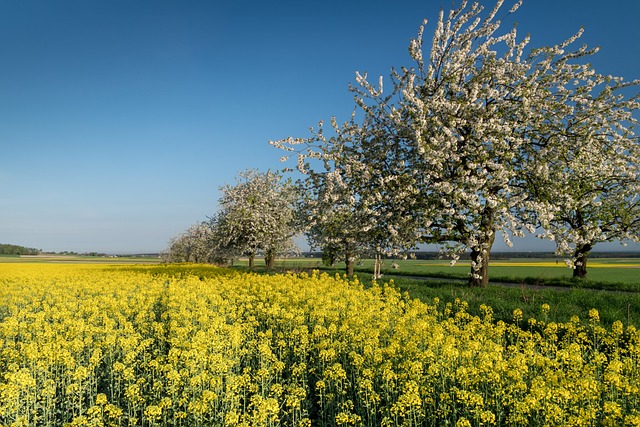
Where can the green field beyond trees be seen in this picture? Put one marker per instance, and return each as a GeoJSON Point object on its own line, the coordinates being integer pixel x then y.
{"type": "Point", "coordinates": [614, 273]}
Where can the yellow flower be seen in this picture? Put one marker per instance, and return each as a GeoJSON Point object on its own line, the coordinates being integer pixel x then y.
{"type": "Point", "coordinates": [517, 315]}
{"type": "Point", "coordinates": [198, 348]}
{"type": "Point", "coordinates": [153, 412]}
{"type": "Point", "coordinates": [101, 399]}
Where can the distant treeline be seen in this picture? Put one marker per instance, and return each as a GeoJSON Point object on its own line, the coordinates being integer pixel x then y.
{"type": "Point", "coordinates": [6, 249]}
{"type": "Point", "coordinates": [506, 255]}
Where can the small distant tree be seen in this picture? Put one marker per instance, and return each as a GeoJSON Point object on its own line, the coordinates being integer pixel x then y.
{"type": "Point", "coordinates": [257, 214]}
{"type": "Point", "coordinates": [194, 245]}
{"type": "Point", "coordinates": [8, 249]}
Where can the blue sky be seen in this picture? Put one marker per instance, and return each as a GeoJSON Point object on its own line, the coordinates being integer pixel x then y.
{"type": "Point", "coordinates": [120, 119]}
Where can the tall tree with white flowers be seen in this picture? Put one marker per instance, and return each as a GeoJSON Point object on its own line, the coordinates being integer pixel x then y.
{"type": "Point", "coordinates": [464, 110]}
{"type": "Point", "coordinates": [353, 204]}
{"type": "Point", "coordinates": [330, 210]}
{"type": "Point", "coordinates": [448, 155]}
{"type": "Point", "coordinates": [447, 137]}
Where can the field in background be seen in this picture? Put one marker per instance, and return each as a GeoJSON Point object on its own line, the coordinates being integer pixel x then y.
{"type": "Point", "coordinates": [514, 270]}
{"type": "Point", "coordinates": [613, 286]}
{"type": "Point", "coordinates": [53, 258]}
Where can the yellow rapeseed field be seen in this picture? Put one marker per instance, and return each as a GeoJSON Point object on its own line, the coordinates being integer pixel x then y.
{"type": "Point", "coordinates": [95, 345]}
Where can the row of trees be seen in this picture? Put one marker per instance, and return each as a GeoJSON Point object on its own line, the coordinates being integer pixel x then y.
{"type": "Point", "coordinates": [481, 137]}
{"type": "Point", "coordinates": [8, 249]}
{"type": "Point", "coordinates": [257, 215]}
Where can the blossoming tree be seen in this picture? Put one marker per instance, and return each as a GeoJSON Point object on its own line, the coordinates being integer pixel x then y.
{"type": "Point", "coordinates": [584, 165]}
{"type": "Point", "coordinates": [334, 221]}
{"type": "Point", "coordinates": [353, 204]}
{"type": "Point", "coordinates": [329, 209]}
{"type": "Point", "coordinates": [464, 109]}
{"type": "Point", "coordinates": [447, 137]}
{"type": "Point", "coordinates": [446, 156]}
{"type": "Point", "coordinates": [196, 244]}
{"type": "Point", "coordinates": [258, 214]}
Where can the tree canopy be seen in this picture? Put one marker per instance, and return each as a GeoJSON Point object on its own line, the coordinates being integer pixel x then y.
{"type": "Point", "coordinates": [9, 249]}
{"type": "Point", "coordinates": [456, 152]}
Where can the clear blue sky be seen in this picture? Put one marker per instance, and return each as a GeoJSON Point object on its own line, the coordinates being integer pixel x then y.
{"type": "Point", "coordinates": [120, 119]}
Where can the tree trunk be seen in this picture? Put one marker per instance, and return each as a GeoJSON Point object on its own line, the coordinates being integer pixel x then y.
{"type": "Point", "coordinates": [377, 267]}
{"type": "Point", "coordinates": [580, 261]}
{"type": "Point", "coordinates": [270, 259]}
{"type": "Point", "coordinates": [481, 256]}
{"type": "Point", "coordinates": [350, 260]}
{"type": "Point", "coordinates": [252, 257]}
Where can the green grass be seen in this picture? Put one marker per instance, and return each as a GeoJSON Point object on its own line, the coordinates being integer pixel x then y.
{"type": "Point", "coordinates": [611, 273]}
{"type": "Point", "coordinates": [564, 303]}
{"type": "Point", "coordinates": [602, 274]}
